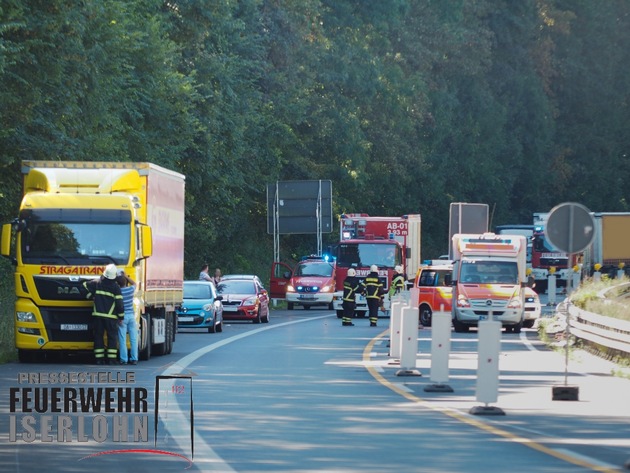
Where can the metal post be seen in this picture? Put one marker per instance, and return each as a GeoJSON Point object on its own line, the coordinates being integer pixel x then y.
{"type": "Point", "coordinates": [276, 227]}
{"type": "Point", "coordinates": [318, 215]}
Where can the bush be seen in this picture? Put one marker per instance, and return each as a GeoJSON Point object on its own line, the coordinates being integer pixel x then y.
{"type": "Point", "coordinates": [7, 303]}
{"type": "Point", "coordinates": [616, 304]}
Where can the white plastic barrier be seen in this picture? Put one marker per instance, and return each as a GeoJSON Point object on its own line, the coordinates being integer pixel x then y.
{"type": "Point", "coordinates": [575, 281]}
{"type": "Point", "coordinates": [395, 316]}
{"type": "Point", "coordinates": [488, 361]}
{"type": "Point", "coordinates": [409, 342]}
{"type": "Point", "coordinates": [551, 289]}
{"type": "Point", "coordinates": [440, 346]}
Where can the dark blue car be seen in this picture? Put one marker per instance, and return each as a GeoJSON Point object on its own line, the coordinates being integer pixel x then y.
{"type": "Point", "coordinates": [202, 307]}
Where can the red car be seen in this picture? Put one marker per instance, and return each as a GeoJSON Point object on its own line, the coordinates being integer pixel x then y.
{"type": "Point", "coordinates": [244, 298]}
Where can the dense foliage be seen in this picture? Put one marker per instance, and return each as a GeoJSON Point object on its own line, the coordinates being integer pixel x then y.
{"type": "Point", "coordinates": [406, 105]}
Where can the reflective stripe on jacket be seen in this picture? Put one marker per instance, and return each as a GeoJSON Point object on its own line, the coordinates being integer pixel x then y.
{"type": "Point", "coordinates": [398, 284]}
{"type": "Point", "coordinates": [373, 287]}
{"type": "Point", "coordinates": [108, 301]}
{"type": "Point", "coordinates": [350, 286]}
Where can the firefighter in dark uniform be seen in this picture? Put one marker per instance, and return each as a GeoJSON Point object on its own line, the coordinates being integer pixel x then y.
{"type": "Point", "coordinates": [373, 293]}
{"type": "Point", "coordinates": [398, 281]}
{"type": "Point", "coordinates": [107, 314]}
{"type": "Point", "coordinates": [351, 286]}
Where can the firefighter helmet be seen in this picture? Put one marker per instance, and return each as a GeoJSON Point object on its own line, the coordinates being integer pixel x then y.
{"type": "Point", "coordinates": [352, 272]}
{"type": "Point", "coordinates": [110, 271]}
{"type": "Point", "coordinates": [374, 268]}
{"type": "Point", "coordinates": [398, 269]}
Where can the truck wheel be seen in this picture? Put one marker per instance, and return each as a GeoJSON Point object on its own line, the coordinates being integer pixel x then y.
{"type": "Point", "coordinates": [145, 353]}
{"type": "Point", "coordinates": [517, 328]}
{"type": "Point", "coordinates": [425, 315]}
{"type": "Point", "coordinates": [290, 305]}
{"type": "Point", "coordinates": [168, 344]}
{"type": "Point", "coordinates": [175, 326]}
{"type": "Point", "coordinates": [460, 327]}
{"type": "Point", "coordinates": [528, 324]}
{"type": "Point", "coordinates": [340, 314]}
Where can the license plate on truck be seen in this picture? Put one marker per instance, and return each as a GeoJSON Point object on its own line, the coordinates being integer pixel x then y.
{"type": "Point", "coordinates": [74, 327]}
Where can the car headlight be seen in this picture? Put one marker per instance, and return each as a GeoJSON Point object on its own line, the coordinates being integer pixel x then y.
{"type": "Point", "coordinates": [529, 299]}
{"type": "Point", "coordinates": [462, 301]}
{"type": "Point", "coordinates": [25, 317]}
{"type": "Point", "coordinates": [207, 308]}
{"type": "Point", "coordinates": [515, 303]}
{"type": "Point", "coordinates": [290, 288]}
{"type": "Point", "coordinates": [251, 301]}
{"type": "Point", "coordinates": [326, 289]}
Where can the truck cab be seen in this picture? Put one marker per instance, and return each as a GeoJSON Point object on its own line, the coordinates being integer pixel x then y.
{"type": "Point", "coordinates": [433, 284]}
{"type": "Point", "coordinates": [310, 283]}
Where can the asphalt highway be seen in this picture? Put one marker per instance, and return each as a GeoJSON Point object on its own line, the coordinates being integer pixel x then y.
{"type": "Point", "coordinates": [304, 394]}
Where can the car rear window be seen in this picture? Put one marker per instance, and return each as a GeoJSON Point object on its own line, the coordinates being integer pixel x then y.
{"type": "Point", "coordinates": [197, 291]}
{"type": "Point", "coordinates": [233, 286]}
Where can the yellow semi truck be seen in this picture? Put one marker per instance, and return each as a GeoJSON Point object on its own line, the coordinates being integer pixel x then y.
{"type": "Point", "coordinates": [75, 218]}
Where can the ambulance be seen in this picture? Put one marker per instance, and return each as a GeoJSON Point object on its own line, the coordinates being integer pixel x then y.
{"type": "Point", "coordinates": [489, 280]}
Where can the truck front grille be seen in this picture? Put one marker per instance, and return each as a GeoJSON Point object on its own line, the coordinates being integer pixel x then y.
{"type": "Point", "coordinates": [55, 318]}
{"type": "Point", "coordinates": [60, 289]}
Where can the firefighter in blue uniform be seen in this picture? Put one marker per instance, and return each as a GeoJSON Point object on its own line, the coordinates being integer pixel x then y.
{"type": "Point", "coordinates": [373, 294]}
{"type": "Point", "coordinates": [351, 286]}
{"type": "Point", "coordinates": [107, 314]}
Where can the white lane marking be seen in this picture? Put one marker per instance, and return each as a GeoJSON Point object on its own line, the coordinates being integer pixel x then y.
{"type": "Point", "coordinates": [210, 460]}
{"type": "Point", "coordinates": [530, 346]}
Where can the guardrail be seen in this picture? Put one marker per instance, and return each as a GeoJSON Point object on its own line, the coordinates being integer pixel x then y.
{"type": "Point", "coordinates": [609, 336]}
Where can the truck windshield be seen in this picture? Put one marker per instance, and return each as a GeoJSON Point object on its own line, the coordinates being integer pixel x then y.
{"type": "Point", "coordinates": [386, 255]}
{"type": "Point", "coordinates": [542, 245]}
{"type": "Point", "coordinates": [488, 272]}
{"type": "Point", "coordinates": [88, 242]}
{"type": "Point", "coordinates": [314, 269]}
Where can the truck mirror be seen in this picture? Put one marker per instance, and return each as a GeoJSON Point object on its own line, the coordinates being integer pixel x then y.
{"type": "Point", "coordinates": [147, 241]}
{"type": "Point", "coordinates": [6, 240]}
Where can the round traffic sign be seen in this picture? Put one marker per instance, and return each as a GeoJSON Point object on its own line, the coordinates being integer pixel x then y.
{"type": "Point", "coordinates": [570, 227]}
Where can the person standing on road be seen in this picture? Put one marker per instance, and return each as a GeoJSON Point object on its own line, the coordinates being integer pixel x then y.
{"type": "Point", "coordinates": [128, 326]}
{"type": "Point", "coordinates": [351, 286]}
{"type": "Point", "coordinates": [531, 279]}
{"type": "Point", "coordinates": [108, 313]}
{"type": "Point", "coordinates": [398, 281]}
{"type": "Point", "coordinates": [216, 279]}
{"type": "Point", "coordinates": [203, 275]}
{"type": "Point", "coordinates": [373, 294]}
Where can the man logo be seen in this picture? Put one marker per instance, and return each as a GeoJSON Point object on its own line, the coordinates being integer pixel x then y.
{"type": "Point", "coordinates": [65, 290]}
